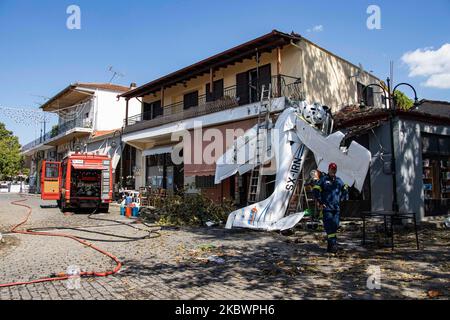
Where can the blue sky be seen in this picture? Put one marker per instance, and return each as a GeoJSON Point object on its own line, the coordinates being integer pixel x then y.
{"type": "Point", "coordinates": [147, 39]}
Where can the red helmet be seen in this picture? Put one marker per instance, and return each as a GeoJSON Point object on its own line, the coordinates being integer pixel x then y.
{"type": "Point", "coordinates": [332, 166]}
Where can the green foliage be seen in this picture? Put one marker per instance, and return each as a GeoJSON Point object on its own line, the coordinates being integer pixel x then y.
{"type": "Point", "coordinates": [402, 101]}
{"type": "Point", "coordinates": [10, 158]}
{"type": "Point", "coordinates": [190, 210]}
{"type": "Point", "coordinates": [55, 131]}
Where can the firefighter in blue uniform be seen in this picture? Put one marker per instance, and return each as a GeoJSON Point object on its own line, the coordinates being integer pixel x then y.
{"type": "Point", "coordinates": [329, 191]}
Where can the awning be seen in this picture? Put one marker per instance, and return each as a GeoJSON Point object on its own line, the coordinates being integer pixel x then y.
{"type": "Point", "coordinates": [89, 166]}
{"type": "Point", "coordinates": [157, 150]}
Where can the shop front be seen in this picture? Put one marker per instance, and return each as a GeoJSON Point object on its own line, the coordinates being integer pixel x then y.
{"type": "Point", "coordinates": [161, 172]}
{"type": "Point", "coordinates": [436, 173]}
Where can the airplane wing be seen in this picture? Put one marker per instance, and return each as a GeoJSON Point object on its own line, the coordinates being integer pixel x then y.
{"type": "Point", "coordinates": [241, 157]}
{"type": "Point", "coordinates": [353, 163]}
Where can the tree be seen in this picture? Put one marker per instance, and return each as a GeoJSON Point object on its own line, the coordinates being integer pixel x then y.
{"type": "Point", "coordinates": [402, 101]}
{"type": "Point", "coordinates": [10, 159]}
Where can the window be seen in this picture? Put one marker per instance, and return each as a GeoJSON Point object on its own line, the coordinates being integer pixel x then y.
{"type": "Point", "coordinates": [248, 82]}
{"type": "Point", "coordinates": [368, 95]}
{"type": "Point", "coordinates": [217, 90]}
{"type": "Point", "coordinates": [203, 182]}
{"type": "Point", "coordinates": [52, 170]}
{"type": "Point", "coordinates": [152, 110]}
{"type": "Point", "coordinates": [162, 173]}
{"type": "Point", "coordinates": [190, 100]}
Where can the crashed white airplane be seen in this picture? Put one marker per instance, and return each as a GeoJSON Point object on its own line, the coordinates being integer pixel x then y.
{"type": "Point", "coordinates": [289, 142]}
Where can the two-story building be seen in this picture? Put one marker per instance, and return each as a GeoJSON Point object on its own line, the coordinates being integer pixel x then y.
{"type": "Point", "coordinates": [90, 118]}
{"type": "Point", "coordinates": [222, 92]}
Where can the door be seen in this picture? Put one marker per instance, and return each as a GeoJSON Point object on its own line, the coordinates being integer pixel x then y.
{"type": "Point", "coordinates": [242, 88]}
{"type": "Point", "coordinates": [253, 87]}
{"type": "Point", "coordinates": [217, 91]}
{"type": "Point", "coordinates": [265, 77]}
{"type": "Point", "coordinates": [50, 180]}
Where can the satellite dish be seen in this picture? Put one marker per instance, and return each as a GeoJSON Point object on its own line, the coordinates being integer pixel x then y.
{"type": "Point", "coordinates": [361, 69]}
{"type": "Point", "coordinates": [358, 72]}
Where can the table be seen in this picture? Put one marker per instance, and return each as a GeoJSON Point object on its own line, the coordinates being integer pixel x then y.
{"type": "Point", "coordinates": [392, 215]}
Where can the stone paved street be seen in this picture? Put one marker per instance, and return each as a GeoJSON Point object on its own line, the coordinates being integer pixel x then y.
{"type": "Point", "coordinates": [209, 263]}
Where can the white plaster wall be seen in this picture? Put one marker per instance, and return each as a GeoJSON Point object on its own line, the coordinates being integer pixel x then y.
{"type": "Point", "coordinates": [109, 112]}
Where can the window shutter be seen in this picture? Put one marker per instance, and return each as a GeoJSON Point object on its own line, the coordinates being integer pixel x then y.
{"type": "Point", "coordinates": [218, 89]}
{"type": "Point", "coordinates": [190, 100]}
{"type": "Point", "coordinates": [157, 109]}
{"type": "Point", "coordinates": [146, 111]}
{"type": "Point", "coordinates": [242, 88]}
{"type": "Point", "coordinates": [209, 95]}
{"type": "Point", "coordinates": [265, 76]}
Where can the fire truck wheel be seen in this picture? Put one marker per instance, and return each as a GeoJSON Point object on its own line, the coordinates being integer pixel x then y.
{"type": "Point", "coordinates": [63, 207]}
{"type": "Point", "coordinates": [104, 209]}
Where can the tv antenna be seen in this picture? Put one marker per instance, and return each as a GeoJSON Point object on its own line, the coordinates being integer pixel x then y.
{"type": "Point", "coordinates": [115, 74]}
{"type": "Point", "coordinates": [40, 96]}
{"type": "Point", "coordinates": [359, 72]}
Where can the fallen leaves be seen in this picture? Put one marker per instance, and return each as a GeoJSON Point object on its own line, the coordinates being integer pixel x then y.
{"type": "Point", "coordinates": [433, 293]}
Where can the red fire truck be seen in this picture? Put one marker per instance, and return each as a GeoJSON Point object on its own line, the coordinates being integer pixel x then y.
{"type": "Point", "coordinates": [79, 181]}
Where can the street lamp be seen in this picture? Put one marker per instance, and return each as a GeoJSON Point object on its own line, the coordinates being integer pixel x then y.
{"type": "Point", "coordinates": [392, 113]}
{"type": "Point", "coordinates": [416, 100]}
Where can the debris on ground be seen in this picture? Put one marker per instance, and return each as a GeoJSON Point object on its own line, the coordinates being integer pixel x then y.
{"type": "Point", "coordinates": [216, 259]}
{"type": "Point", "coordinates": [447, 223]}
{"type": "Point", "coordinates": [184, 209]}
{"type": "Point", "coordinates": [433, 293]}
{"type": "Point", "coordinates": [206, 253]}
{"type": "Point", "coordinates": [211, 223]}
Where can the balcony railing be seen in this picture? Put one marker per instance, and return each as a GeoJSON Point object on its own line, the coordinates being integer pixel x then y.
{"type": "Point", "coordinates": [287, 86]}
{"type": "Point", "coordinates": [282, 85]}
{"type": "Point", "coordinates": [177, 111]}
{"type": "Point", "coordinates": [58, 130]}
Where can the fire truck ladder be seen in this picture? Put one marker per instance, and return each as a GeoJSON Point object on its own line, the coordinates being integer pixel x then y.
{"type": "Point", "coordinates": [254, 190]}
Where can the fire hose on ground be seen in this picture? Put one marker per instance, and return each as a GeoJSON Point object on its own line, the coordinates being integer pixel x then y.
{"type": "Point", "coordinates": [64, 276]}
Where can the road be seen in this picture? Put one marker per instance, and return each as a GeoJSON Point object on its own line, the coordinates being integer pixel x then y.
{"type": "Point", "coordinates": [209, 263]}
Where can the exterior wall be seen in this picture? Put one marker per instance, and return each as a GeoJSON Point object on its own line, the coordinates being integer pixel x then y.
{"type": "Point", "coordinates": [408, 156]}
{"type": "Point", "coordinates": [326, 78]}
{"type": "Point", "coordinates": [219, 192]}
{"type": "Point", "coordinates": [380, 178]}
{"type": "Point", "coordinates": [109, 112]}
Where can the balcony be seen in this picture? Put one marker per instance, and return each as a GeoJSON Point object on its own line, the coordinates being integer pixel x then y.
{"type": "Point", "coordinates": [68, 127]}
{"type": "Point", "coordinates": [282, 86]}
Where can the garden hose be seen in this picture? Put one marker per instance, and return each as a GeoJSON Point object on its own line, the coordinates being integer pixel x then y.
{"type": "Point", "coordinates": [63, 275]}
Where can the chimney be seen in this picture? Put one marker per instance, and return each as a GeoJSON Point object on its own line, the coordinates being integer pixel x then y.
{"type": "Point", "coordinates": [133, 85]}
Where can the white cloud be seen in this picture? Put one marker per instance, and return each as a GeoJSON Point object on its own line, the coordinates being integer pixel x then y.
{"type": "Point", "coordinates": [318, 28]}
{"type": "Point", "coordinates": [433, 64]}
{"type": "Point", "coordinates": [441, 81]}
